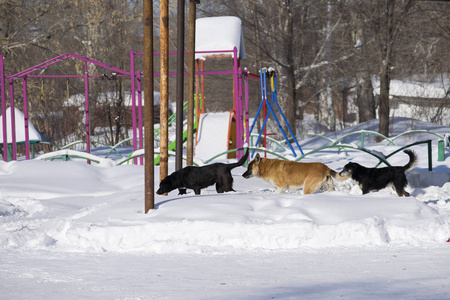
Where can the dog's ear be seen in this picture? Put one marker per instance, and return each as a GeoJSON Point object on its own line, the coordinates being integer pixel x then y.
{"type": "Point", "coordinates": [257, 158]}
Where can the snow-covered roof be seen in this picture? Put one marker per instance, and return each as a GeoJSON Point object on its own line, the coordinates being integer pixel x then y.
{"type": "Point", "coordinates": [79, 99]}
{"type": "Point", "coordinates": [33, 134]}
{"type": "Point", "coordinates": [413, 89]}
{"type": "Point", "coordinates": [219, 33]}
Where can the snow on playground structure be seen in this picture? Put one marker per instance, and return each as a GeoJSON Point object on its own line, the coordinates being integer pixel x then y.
{"type": "Point", "coordinates": [215, 134]}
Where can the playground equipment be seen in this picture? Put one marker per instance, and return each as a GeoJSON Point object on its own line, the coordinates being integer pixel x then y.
{"type": "Point", "coordinates": [20, 135]}
{"type": "Point", "coordinates": [216, 37]}
{"type": "Point", "coordinates": [29, 73]}
{"type": "Point", "coordinates": [136, 93]}
{"type": "Point", "coordinates": [264, 74]}
{"type": "Point", "coordinates": [213, 129]}
{"type": "Point", "coordinates": [210, 42]}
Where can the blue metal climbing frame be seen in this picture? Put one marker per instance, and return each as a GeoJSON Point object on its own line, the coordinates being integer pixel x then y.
{"type": "Point", "coordinates": [264, 74]}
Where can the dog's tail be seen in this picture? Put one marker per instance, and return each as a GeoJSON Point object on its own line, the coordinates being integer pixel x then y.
{"type": "Point", "coordinates": [412, 159]}
{"type": "Point", "coordinates": [240, 162]}
{"type": "Point", "coordinates": [338, 176]}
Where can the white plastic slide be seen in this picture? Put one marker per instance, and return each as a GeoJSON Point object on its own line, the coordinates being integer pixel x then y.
{"type": "Point", "coordinates": [212, 135]}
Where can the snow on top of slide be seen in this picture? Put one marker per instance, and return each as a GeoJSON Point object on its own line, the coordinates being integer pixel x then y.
{"type": "Point", "coordinates": [219, 33]}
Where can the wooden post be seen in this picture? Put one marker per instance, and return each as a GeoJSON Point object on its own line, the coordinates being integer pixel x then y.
{"type": "Point", "coordinates": [180, 85]}
{"type": "Point", "coordinates": [148, 107]}
{"type": "Point", "coordinates": [191, 85]}
{"type": "Point", "coordinates": [164, 88]}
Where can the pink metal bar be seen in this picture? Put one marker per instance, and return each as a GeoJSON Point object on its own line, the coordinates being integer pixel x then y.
{"type": "Point", "coordinates": [25, 114]}
{"type": "Point", "coordinates": [236, 97]}
{"type": "Point", "coordinates": [71, 76]}
{"type": "Point", "coordinates": [42, 65]}
{"type": "Point", "coordinates": [140, 123]}
{"type": "Point", "coordinates": [2, 80]}
{"type": "Point", "coordinates": [124, 76]}
{"type": "Point", "coordinates": [95, 62]}
{"type": "Point", "coordinates": [13, 120]}
{"type": "Point", "coordinates": [187, 52]}
{"type": "Point", "coordinates": [133, 102]}
{"type": "Point", "coordinates": [246, 107]}
{"type": "Point", "coordinates": [86, 107]}
{"type": "Point", "coordinates": [240, 116]}
{"type": "Point", "coordinates": [62, 57]}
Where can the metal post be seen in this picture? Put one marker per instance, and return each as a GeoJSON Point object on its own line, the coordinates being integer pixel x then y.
{"type": "Point", "coordinates": [430, 159]}
{"type": "Point", "coordinates": [180, 85]}
{"type": "Point", "coordinates": [25, 114]}
{"type": "Point", "coordinates": [246, 129]}
{"type": "Point", "coordinates": [198, 98]}
{"type": "Point", "coordinates": [133, 102]}
{"type": "Point", "coordinates": [13, 118]}
{"type": "Point", "coordinates": [86, 107]}
{"type": "Point", "coordinates": [148, 107]}
{"type": "Point", "coordinates": [2, 80]}
{"type": "Point", "coordinates": [236, 98]}
{"type": "Point", "coordinates": [202, 84]}
{"type": "Point", "coordinates": [140, 125]}
{"type": "Point", "coordinates": [191, 78]}
{"type": "Point", "coordinates": [239, 116]}
{"type": "Point", "coordinates": [441, 150]}
{"type": "Point", "coordinates": [164, 88]}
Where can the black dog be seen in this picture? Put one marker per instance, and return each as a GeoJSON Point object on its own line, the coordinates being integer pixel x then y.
{"type": "Point", "coordinates": [373, 179]}
{"type": "Point", "coordinates": [198, 178]}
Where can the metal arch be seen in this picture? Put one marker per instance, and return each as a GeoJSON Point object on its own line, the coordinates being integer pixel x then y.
{"type": "Point", "coordinates": [381, 159]}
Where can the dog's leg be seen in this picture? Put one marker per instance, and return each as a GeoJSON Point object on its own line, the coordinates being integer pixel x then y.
{"type": "Point", "coordinates": [197, 191]}
{"type": "Point", "coordinates": [182, 191]}
{"type": "Point", "coordinates": [225, 184]}
{"type": "Point", "coordinates": [219, 188]}
{"type": "Point", "coordinates": [327, 185]}
{"type": "Point", "coordinates": [365, 189]}
{"type": "Point", "coordinates": [311, 185]}
{"type": "Point", "coordinates": [399, 186]}
{"type": "Point", "coordinates": [400, 192]}
{"type": "Point", "coordinates": [280, 190]}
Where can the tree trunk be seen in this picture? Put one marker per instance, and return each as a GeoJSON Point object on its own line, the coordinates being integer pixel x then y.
{"type": "Point", "coordinates": [327, 114]}
{"type": "Point", "coordinates": [288, 105]}
{"type": "Point", "coordinates": [364, 97]}
{"type": "Point", "coordinates": [385, 74]}
{"type": "Point", "coordinates": [383, 112]}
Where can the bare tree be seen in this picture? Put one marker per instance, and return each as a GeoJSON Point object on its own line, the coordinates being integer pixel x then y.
{"type": "Point", "coordinates": [389, 22]}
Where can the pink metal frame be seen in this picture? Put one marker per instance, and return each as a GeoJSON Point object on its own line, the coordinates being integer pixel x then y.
{"type": "Point", "coordinates": [28, 73]}
{"type": "Point", "coordinates": [238, 104]}
{"type": "Point", "coordinates": [240, 79]}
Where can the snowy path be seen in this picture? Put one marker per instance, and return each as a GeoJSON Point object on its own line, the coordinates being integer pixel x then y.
{"type": "Point", "coordinates": [354, 274]}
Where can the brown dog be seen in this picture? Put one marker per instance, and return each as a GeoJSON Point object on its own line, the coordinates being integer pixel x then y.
{"type": "Point", "coordinates": [293, 175]}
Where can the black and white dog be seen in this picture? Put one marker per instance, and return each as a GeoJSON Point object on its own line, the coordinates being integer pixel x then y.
{"type": "Point", "coordinates": [374, 179]}
{"type": "Point", "coordinates": [197, 178]}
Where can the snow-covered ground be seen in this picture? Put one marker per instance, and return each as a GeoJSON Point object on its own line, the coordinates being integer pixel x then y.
{"type": "Point", "coordinates": [69, 230]}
